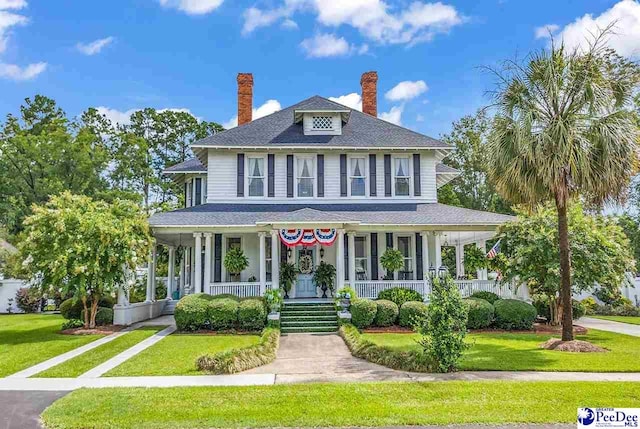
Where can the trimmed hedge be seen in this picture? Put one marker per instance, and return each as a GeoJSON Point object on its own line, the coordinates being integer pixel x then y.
{"type": "Point", "coordinates": [252, 315]}
{"type": "Point", "coordinates": [72, 310]}
{"type": "Point", "coordinates": [191, 312]}
{"type": "Point", "coordinates": [226, 296]}
{"type": "Point", "coordinates": [386, 314]}
{"type": "Point", "coordinates": [237, 360]}
{"type": "Point", "coordinates": [413, 360]}
{"type": "Point", "coordinates": [104, 316]}
{"type": "Point", "coordinates": [487, 296]}
{"type": "Point", "coordinates": [480, 313]}
{"type": "Point", "coordinates": [400, 295]}
{"type": "Point", "coordinates": [412, 312]}
{"type": "Point", "coordinates": [222, 314]}
{"type": "Point", "coordinates": [363, 312]}
{"type": "Point", "coordinates": [513, 314]}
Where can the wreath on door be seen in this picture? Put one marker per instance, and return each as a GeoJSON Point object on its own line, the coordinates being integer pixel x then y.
{"type": "Point", "coordinates": [306, 264]}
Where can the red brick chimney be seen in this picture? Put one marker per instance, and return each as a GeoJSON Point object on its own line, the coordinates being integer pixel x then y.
{"type": "Point", "coordinates": [369, 84]}
{"type": "Point", "coordinates": [245, 97]}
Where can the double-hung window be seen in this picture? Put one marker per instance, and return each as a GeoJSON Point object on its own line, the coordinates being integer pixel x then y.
{"type": "Point", "coordinates": [256, 177]}
{"type": "Point", "coordinates": [404, 246]}
{"type": "Point", "coordinates": [402, 176]}
{"type": "Point", "coordinates": [267, 257]}
{"type": "Point", "coordinates": [357, 176]}
{"type": "Point", "coordinates": [361, 258]}
{"type": "Point", "coordinates": [305, 176]}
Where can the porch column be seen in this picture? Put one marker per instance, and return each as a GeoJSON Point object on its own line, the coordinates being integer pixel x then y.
{"type": "Point", "coordinates": [263, 262]}
{"type": "Point", "coordinates": [171, 271]}
{"type": "Point", "coordinates": [438, 255]}
{"type": "Point", "coordinates": [482, 273]}
{"type": "Point", "coordinates": [425, 255]}
{"type": "Point", "coordinates": [351, 237]}
{"type": "Point", "coordinates": [183, 271]}
{"type": "Point", "coordinates": [207, 259]}
{"type": "Point", "coordinates": [340, 259]}
{"type": "Point", "coordinates": [149, 274]}
{"type": "Point", "coordinates": [275, 260]}
{"type": "Point", "coordinates": [197, 287]}
{"type": "Point", "coordinates": [459, 260]}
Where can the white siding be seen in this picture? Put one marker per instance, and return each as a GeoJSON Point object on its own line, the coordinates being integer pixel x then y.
{"type": "Point", "coordinates": [280, 178]}
{"type": "Point", "coordinates": [428, 177]}
{"type": "Point", "coordinates": [331, 175]}
{"type": "Point", "coordinates": [221, 182]}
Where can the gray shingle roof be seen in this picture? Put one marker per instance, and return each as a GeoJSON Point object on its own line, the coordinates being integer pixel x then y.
{"type": "Point", "coordinates": [188, 166]}
{"type": "Point", "coordinates": [443, 168]}
{"type": "Point", "coordinates": [360, 131]}
{"type": "Point", "coordinates": [363, 213]}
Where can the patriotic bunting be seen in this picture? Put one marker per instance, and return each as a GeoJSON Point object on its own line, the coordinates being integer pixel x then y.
{"type": "Point", "coordinates": [307, 237]}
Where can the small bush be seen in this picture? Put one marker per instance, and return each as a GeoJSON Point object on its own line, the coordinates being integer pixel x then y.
{"type": "Point", "coordinates": [487, 296]}
{"type": "Point", "coordinates": [237, 360]}
{"type": "Point", "coordinates": [513, 314]}
{"type": "Point", "coordinates": [222, 314]}
{"type": "Point", "coordinates": [400, 295]}
{"type": "Point", "coordinates": [226, 296]}
{"type": "Point", "coordinates": [480, 313]}
{"type": "Point", "coordinates": [363, 312]}
{"type": "Point", "coordinates": [28, 300]}
{"type": "Point", "coordinates": [541, 303]}
{"type": "Point", "coordinates": [589, 305]}
{"type": "Point", "coordinates": [252, 315]}
{"type": "Point", "coordinates": [72, 324]}
{"type": "Point", "coordinates": [386, 313]}
{"type": "Point", "coordinates": [104, 316]}
{"type": "Point", "coordinates": [412, 313]}
{"type": "Point", "coordinates": [191, 312]}
{"type": "Point", "coordinates": [579, 309]}
{"type": "Point", "coordinates": [624, 310]}
{"type": "Point", "coordinates": [72, 308]}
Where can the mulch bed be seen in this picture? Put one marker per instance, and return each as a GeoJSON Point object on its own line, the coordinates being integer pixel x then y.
{"type": "Point", "coordinates": [538, 328]}
{"type": "Point", "coordinates": [98, 330]}
{"type": "Point", "coordinates": [575, 346]}
{"type": "Point", "coordinates": [210, 332]}
{"type": "Point", "coordinates": [388, 330]}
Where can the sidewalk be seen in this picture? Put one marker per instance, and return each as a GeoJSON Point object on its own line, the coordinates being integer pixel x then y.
{"type": "Point", "coordinates": [609, 325]}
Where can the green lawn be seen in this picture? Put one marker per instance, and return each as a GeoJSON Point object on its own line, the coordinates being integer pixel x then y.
{"type": "Point", "coordinates": [83, 363]}
{"type": "Point", "coordinates": [335, 405]}
{"type": "Point", "coordinates": [634, 320]}
{"type": "Point", "coordinates": [177, 353]}
{"type": "Point", "coordinates": [521, 352]}
{"type": "Point", "coordinates": [28, 339]}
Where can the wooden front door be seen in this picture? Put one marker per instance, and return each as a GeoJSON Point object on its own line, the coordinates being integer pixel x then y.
{"type": "Point", "coordinates": [305, 288]}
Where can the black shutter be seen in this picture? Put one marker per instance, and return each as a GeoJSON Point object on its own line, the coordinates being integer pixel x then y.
{"type": "Point", "coordinates": [217, 262]}
{"type": "Point", "coordinates": [198, 197]}
{"type": "Point", "coordinates": [320, 162]}
{"type": "Point", "coordinates": [271, 175]}
{"type": "Point", "coordinates": [289, 176]}
{"type": "Point", "coordinates": [416, 174]}
{"type": "Point", "coordinates": [283, 253]}
{"type": "Point", "coordinates": [343, 175]}
{"type": "Point", "coordinates": [240, 181]}
{"type": "Point", "coordinates": [345, 243]}
{"type": "Point", "coordinates": [387, 175]}
{"type": "Point", "coordinates": [186, 185]}
{"type": "Point", "coordinates": [419, 267]}
{"type": "Point", "coordinates": [374, 255]}
{"type": "Point", "coordinates": [373, 182]}
{"type": "Point", "coordinates": [389, 240]}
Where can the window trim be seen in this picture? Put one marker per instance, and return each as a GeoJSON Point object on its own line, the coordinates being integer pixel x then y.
{"type": "Point", "coordinates": [412, 252]}
{"type": "Point", "coordinates": [350, 176]}
{"type": "Point", "coordinates": [296, 178]}
{"type": "Point", "coordinates": [248, 176]}
{"type": "Point", "coordinates": [367, 254]}
{"type": "Point", "coordinates": [409, 177]}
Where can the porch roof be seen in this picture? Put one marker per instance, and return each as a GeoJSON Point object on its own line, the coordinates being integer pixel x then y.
{"type": "Point", "coordinates": [428, 214]}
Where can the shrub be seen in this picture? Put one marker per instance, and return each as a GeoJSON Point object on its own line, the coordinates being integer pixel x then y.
{"type": "Point", "coordinates": [541, 303]}
{"type": "Point", "coordinates": [363, 312]}
{"type": "Point", "coordinates": [72, 324]}
{"type": "Point", "coordinates": [445, 327]}
{"type": "Point", "coordinates": [487, 296]}
{"type": "Point", "coordinates": [589, 305]}
{"type": "Point", "coordinates": [513, 314]}
{"type": "Point", "coordinates": [413, 313]}
{"type": "Point", "coordinates": [104, 316]}
{"type": "Point", "coordinates": [226, 296]}
{"type": "Point", "coordinates": [252, 315]}
{"type": "Point", "coordinates": [400, 295]}
{"type": "Point", "coordinates": [480, 313]}
{"type": "Point", "coordinates": [191, 312]}
{"type": "Point", "coordinates": [579, 309]}
{"type": "Point", "coordinates": [72, 308]}
{"type": "Point", "coordinates": [28, 300]}
{"type": "Point", "coordinates": [386, 313]}
{"type": "Point", "coordinates": [222, 314]}
{"type": "Point", "coordinates": [236, 360]}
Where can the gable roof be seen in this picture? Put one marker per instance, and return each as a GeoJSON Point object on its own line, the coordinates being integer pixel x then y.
{"type": "Point", "coordinates": [279, 130]}
{"type": "Point", "coordinates": [192, 165]}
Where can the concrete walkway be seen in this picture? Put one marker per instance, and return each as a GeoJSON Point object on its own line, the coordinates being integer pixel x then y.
{"type": "Point", "coordinates": [609, 325]}
{"type": "Point", "coordinates": [21, 410]}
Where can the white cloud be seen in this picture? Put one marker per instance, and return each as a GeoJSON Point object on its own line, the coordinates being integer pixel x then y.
{"type": "Point", "coordinates": [374, 19]}
{"type": "Point", "coordinates": [353, 100]}
{"type": "Point", "coordinates": [17, 73]}
{"type": "Point", "coordinates": [289, 24]}
{"type": "Point", "coordinates": [94, 47]}
{"type": "Point", "coordinates": [12, 4]}
{"type": "Point", "coordinates": [325, 45]}
{"type": "Point", "coordinates": [406, 90]}
{"type": "Point", "coordinates": [546, 31]}
{"type": "Point", "coordinates": [269, 107]}
{"type": "Point", "coordinates": [394, 115]}
{"type": "Point", "coordinates": [124, 117]}
{"type": "Point", "coordinates": [8, 20]}
{"type": "Point", "coordinates": [192, 7]}
{"type": "Point", "coordinates": [626, 31]}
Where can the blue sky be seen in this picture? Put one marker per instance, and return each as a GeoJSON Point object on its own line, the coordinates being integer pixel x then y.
{"type": "Point", "coordinates": [124, 55]}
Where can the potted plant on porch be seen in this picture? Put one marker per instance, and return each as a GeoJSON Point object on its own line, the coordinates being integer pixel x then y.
{"type": "Point", "coordinates": [235, 261]}
{"type": "Point", "coordinates": [288, 275]}
{"type": "Point", "coordinates": [392, 261]}
{"type": "Point", "coordinates": [324, 277]}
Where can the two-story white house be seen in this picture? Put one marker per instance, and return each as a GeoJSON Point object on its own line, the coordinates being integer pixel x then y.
{"type": "Point", "coordinates": [316, 181]}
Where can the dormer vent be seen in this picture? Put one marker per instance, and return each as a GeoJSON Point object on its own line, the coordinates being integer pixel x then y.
{"type": "Point", "coordinates": [322, 122]}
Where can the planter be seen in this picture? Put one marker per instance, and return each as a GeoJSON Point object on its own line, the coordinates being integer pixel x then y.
{"type": "Point", "coordinates": [345, 303]}
{"type": "Point", "coordinates": [324, 289]}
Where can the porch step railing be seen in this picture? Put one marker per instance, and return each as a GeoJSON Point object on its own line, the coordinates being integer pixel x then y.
{"type": "Point", "coordinates": [240, 289]}
{"type": "Point", "coordinates": [371, 289]}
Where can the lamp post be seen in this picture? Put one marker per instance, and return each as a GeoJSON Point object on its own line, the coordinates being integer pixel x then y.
{"type": "Point", "coordinates": [432, 272]}
{"type": "Point", "coordinates": [442, 271]}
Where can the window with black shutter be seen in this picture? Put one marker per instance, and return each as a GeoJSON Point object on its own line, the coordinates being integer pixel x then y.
{"type": "Point", "coordinates": [343, 175]}
{"type": "Point", "coordinates": [387, 175]}
{"type": "Point", "coordinates": [198, 197]}
{"type": "Point", "coordinates": [289, 176]}
{"type": "Point", "coordinates": [373, 182]}
{"type": "Point", "coordinates": [240, 178]}
{"type": "Point", "coordinates": [416, 174]}
{"type": "Point", "coordinates": [320, 167]}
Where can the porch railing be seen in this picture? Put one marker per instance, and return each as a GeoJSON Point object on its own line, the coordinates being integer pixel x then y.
{"type": "Point", "coordinates": [240, 289]}
{"type": "Point", "coordinates": [371, 289]}
{"type": "Point", "coordinates": [502, 289]}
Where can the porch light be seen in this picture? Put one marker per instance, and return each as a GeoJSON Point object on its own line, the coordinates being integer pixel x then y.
{"type": "Point", "coordinates": [432, 272]}
{"type": "Point", "coordinates": [322, 253]}
{"type": "Point", "coordinates": [289, 252]}
{"type": "Point", "coordinates": [442, 271]}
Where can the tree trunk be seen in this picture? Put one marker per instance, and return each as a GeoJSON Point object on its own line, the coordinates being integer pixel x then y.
{"type": "Point", "coordinates": [555, 309]}
{"type": "Point", "coordinates": [94, 310]}
{"type": "Point", "coordinates": [86, 312]}
{"type": "Point", "coordinates": [565, 271]}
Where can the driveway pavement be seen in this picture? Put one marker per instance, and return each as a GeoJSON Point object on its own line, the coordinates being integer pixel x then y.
{"type": "Point", "coordinates": [21, 410]}
{"type": "Point", "coordinates": [608, 325]}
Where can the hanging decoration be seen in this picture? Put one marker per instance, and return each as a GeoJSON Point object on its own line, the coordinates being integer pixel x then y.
{"type": "Point", "coordinates": [326, 237]}
{"type": "Point", "coordinates": [307, 237]}
{"type": "Point", "coordinates": [291, 237]}
{"type": "Point", "coordinates": [305, 264]}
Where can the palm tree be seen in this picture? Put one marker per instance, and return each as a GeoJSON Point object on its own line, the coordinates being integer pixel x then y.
{"type": "Point", "coordinates": [563, 129]}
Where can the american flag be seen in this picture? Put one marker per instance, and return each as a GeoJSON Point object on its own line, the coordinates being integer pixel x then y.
{"type": "Point", "coordinates": [494, 250]}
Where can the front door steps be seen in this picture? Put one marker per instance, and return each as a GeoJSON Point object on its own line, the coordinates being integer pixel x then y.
{"type": "Point", "coordinates": [298, 317]}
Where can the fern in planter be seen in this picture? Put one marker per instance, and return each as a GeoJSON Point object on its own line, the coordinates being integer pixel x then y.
{"type": "Point", "coordinates": [288, 273]}
{"type": "Point", "coordinates": [392, 261]}
{"type": "Point", "coordinates": [235, 261]}
{"type": "Point", "coordinates": [475, 259]}
{"type": "Point", "coordinates": [324, 277]}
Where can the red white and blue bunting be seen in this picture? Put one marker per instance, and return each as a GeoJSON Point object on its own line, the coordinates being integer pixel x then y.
{"type": "Point", "coordinates": [307, 237]}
